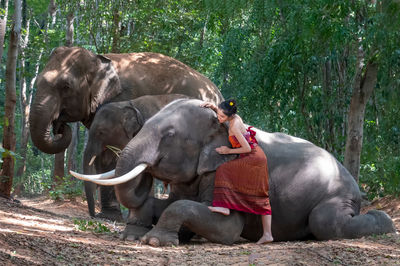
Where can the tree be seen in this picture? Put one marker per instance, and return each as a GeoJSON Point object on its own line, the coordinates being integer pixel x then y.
{"type": "Point", "coordinates": [3, 24]}
{"type": "Point", "coordinates": [25, 94]}
{"type": "Point", "coordinates": [7, 169]}
{"type": "Point", "coordinates": [364, 84]}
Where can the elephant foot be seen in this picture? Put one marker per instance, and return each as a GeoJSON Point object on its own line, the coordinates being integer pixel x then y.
{"type": "Point", "coordinates": [133, 232]}
{"type": "Point", "coordinates": [113, 215]}
{"type": "Point", "coordinates": [158, 237]}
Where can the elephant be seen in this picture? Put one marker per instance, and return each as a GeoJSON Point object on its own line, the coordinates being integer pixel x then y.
{"type": "Point", "coordinates": [115, 124]}
{"type": "Point", "coordinates": [75, 82]}
{"type": "Point", "coordinates": [312, 195]}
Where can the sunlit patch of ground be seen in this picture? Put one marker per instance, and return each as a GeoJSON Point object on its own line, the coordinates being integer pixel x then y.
{"type": "Point", "coordinates": [42, 232]}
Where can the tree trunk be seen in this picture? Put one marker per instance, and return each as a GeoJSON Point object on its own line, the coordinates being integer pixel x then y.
{"type": "Point", "coordinates": [115, 48]}
{"type": "Point", "coordinates": [58, 172]}
{"type": "Point", "coordinates": [363, 87]}
{"type": "Point", "coordinates": [7, 171]}
{"type": "Point", "coordinates": [3, 23]}
{"type": "Point", "coordinates": [71, 165]}
{"type": "Point", "coordinates": [85, 141]}
{"type": "Point", "coordinates": [69, 38]}
{"type": "Point", "coordinates": [330, 141]}
{"type": "Point", "coordinates": [52, 11]}
{"type": "Point", "coordinates": [25, 98]}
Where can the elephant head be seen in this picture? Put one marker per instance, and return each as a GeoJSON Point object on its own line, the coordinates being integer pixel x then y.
{"type": "Point", "coordinates": [177, 144]}
{"type": "Point", "coordinates": [114, 125]}
{"type": "Point", "coordinates": [72, 85]}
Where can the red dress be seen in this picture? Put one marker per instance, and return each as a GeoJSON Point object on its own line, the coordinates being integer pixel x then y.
{"type": "Point", "coordinates": [242, 184]}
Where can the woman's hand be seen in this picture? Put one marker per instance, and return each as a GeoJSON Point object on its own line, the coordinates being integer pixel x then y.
{"type": "Point", "coordinates": [223, 150]}
{"type": "Point", "coordinates": [208, 105]}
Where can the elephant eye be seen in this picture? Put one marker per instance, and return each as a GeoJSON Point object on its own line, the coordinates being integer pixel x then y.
{"type": "Point", "coordinates": [170, 133]}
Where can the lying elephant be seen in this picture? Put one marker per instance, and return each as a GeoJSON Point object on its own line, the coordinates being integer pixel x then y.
{"type": "Point", "coordinates": [311, 194]}
{"type": "Point", "coordinates": [115, 124]}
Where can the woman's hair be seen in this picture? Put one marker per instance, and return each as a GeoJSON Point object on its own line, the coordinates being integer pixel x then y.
{"type": "Point", "coordinates": [228, 107]}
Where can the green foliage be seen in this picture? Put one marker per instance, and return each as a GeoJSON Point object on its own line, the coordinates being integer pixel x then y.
{"type": "Point", "coordinates": [290, 65]}
{"type": "Point", "coordinates": [92, 226]}
{"type": "Point", "coordinates": [38, 7]}
{"type": "Point", "coordinates": [7, 153]}
{"type": "Point", "coordinates": [69, 188]}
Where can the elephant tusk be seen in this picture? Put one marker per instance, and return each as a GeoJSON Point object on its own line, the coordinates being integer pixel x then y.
{"type": "Point", "coordinates": [106, 175]}
{"type": "Point", "coordinates": [122, 179]}
{"type": "Point", "coordinates": [92, 160]}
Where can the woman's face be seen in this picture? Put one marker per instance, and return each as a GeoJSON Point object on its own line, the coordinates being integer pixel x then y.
{"type": "Point", "coordinates": [221, 116]}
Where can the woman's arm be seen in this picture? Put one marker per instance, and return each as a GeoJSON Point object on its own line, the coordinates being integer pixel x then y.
{"type": "Point", "coordinates": [209, 105]}
{"type": "Point", "coordinates": [245, 146]}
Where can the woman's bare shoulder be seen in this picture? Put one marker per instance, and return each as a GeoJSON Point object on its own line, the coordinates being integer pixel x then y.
{"type": "Point", "coordinates": [238, 124]}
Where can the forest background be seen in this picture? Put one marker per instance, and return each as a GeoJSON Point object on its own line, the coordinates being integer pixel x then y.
{"type": "Point", "coordinates": [326, 71]}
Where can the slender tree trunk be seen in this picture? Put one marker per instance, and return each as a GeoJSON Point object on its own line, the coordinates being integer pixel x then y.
{"type": "Point", "coordinates": [7, 170]}
{"type": "Point", "coordinates": [115, 48]}
{"type": "Point", "coordinates": [203, 33]}
{"type": "Point", "coordinates": [329, 126]}
{"type": "Point", "coordinates": [25, 115]}
{"type": "Point", "coordinates": [71, 165]}
{"type": "Point", "coordinates": [341, 92]}
{"type": "Point", "coordinates": [52, 9]}
{"type": "Point", "coordinates": [3, 23]}
{"type": "Point", "coordinates": [58, 172]}
{"type": "Point", "coordinates": [24, 101]}
{"type": "Point", "coordinates": [85, 141]}
{"type": "Point", "coordinates": [69, 38]}
{"type": "Point", "coordinates": [364, 83]}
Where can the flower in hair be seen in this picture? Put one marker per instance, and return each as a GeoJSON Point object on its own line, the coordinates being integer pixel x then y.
{"type": "Point", "coordinates": [231, 103]}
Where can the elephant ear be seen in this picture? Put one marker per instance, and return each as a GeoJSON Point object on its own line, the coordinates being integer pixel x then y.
{"type": "Point", "coordinates": [132, 120]}
{"type": "Point", "coordinates": [103, 80]}
{"type": "Point", "coordinates": [209, 159]}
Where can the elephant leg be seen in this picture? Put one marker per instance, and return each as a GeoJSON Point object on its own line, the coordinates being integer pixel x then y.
{"type": "Point", "coordinates": [206, 188]}
{"type": "Point", "coordinates": [339, 218]}
{"type": "Point", "coordinates": [143, 209]}
{"type": "Point", "coordinates": [109, 205]}
{"type": "Point", "coordinates": [90, 190]}
{"type": "Point", "coordinates": [197, 218]}
{"type": "Point", "coordinates": [141, 220]}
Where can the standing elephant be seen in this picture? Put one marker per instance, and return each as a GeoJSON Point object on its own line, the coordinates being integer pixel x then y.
{"type": "Point", "coordinates": [115, 124]}
{"type": "Point", "coordinates": [311, 194]}
{"type": "Point", "coordinates": [75, 82]}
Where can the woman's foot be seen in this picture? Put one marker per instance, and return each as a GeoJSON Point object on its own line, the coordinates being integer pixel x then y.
{"type": "Point", "coordinates": [266, 238]}
{"type": "Point", "coordinates": [222, 210]}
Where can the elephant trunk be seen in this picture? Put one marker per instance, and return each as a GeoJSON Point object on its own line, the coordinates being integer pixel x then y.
{"type": "Point", "coordinates": [44, 114]}
{"type": "Point", "coordinates": [141, 150]}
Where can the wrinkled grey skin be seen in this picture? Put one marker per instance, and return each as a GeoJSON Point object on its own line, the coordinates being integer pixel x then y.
{"type": "Point", "coordinates": [115, 124]}
{"type": "Point", "coordinates": [312, 195]}
{"type": "Point", "coordinates": [75, 82]}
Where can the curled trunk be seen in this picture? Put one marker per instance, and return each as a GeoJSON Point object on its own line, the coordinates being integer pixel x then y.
{"type": "Point", "coordinates": [42, 118]}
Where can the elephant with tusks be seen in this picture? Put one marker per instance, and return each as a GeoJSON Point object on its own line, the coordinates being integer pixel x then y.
{"type": "Point", "coordinates": [312, 195]}
{"type": "Point", "coordinates": [75, 82]}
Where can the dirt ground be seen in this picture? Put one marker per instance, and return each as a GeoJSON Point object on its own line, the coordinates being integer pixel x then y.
{"type": "Point", "coordinates": [42, 232]}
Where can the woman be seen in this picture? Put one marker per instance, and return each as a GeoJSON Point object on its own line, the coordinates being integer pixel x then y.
{"type": "Point", "coordinates": [241, 184]}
